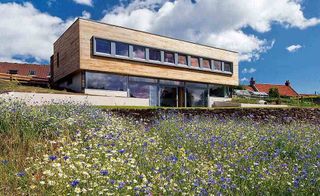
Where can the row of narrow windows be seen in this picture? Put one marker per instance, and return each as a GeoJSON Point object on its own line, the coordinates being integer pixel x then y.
{"type": "Point", "coordinates": [107, 47]}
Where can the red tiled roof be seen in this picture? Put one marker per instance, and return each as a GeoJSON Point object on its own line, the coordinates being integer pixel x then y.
{"type": "Point", "coordinates": [283, 89]}
{"type": "Point", "coordinates": [42, 71]}
{"type": "Point", "coordinates": [249, 88]}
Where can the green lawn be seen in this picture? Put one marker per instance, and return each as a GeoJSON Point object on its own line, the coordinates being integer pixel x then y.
{"type": "Point", "coordinates": [15, 86]}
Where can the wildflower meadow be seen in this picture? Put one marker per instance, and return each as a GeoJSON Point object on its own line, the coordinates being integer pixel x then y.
{"type": "Point", "coordinates": [70, 149]}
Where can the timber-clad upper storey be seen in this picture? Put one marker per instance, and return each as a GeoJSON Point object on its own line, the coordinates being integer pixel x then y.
{"type": "Point", "coordinates": [147, 55]}
{"type": "Point", "coordinates": [115, 49]}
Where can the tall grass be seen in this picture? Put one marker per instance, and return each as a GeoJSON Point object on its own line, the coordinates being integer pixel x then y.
{"type": "Point", "coordinates": [73, 149]}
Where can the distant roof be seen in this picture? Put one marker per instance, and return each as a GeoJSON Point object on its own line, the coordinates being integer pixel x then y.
{"type": "Point", "coordinates": [283, 89]}
{"type": "Point", "coordinates": [41, 71]}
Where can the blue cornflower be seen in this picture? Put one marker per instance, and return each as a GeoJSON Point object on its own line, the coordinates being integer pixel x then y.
{"type": "Point", "coordinates": [4, 162]}
{"type": "Point", "coordinates": [66, 158]}
{"type": "Point", "coordinates": [104, 172]}
{"type": "Point", "coordinates": [296, 183]}
{"type": "Point", "coordinates": [75, 183]}
{"type": "Point", "coordinates": [121, 185]}
{"type": "Point", "coordinates": [174, 159]}
{"type": "Point", "coordinates": [122, 151]}
{"type": "Point", "coordinates": [52, 157]}
{"type": "Point", "coordinates": [21, 174]}
{"type": "Point", "coordinates": [191, 157]}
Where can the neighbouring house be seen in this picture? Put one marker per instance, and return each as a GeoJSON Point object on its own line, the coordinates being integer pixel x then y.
{"type": "Point", "coordinates": [25, 73]}
{"type": "Point", "coordinates": [141, 68]}
{"type": "Point", "coordinates": [285, 90]}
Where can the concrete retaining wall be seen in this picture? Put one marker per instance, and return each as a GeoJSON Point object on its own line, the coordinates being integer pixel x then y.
{"type": "Point", "coordinates": [43, 98]}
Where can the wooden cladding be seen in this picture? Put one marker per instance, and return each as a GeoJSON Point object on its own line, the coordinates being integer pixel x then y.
{"type": "Point", "coordinates": [75, 53]}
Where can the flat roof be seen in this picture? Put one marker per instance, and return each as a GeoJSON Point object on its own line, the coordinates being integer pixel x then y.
{"type": "Point", "coordinates": [90, 20]}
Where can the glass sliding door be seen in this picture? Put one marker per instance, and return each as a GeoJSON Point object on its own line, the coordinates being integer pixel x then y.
{"type": "Point", "coordinates": [168, 96]}
{"type": "Point", "coordinates": [197, 97]}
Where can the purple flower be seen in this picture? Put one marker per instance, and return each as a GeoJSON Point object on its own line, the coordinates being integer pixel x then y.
{"type": "Point", "coordinates": [52, 157]}
{"type": "Point", "coordinates": [122, 151]}
{"type": "Point", "coordinates": [121, 185]}
{"type": "Point", "coordinates": [66, 158]}
{"type": "Point", "coordinates": [5, 162]}
{"type": "Point", "coordinates": [104, 172]}
{"type": "Point", "coordinates": [74, 183]}
{"type": "Point", "coordinates": [21, 174]}
{"type": "Point", "coordinates": [296, 183]}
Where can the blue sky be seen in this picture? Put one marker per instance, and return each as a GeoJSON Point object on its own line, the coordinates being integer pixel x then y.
{"type": "Point", "coordinates": [278, 40]}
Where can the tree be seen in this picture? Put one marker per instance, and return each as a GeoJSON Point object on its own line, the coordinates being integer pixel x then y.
{"type": "Point", "coordinates": [274, 93]}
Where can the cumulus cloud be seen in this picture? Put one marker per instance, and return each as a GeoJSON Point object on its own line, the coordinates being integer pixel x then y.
{"type": "Point", "coordinates": [26, 33]}
{"type": "Point", "coordinates": [214, 22]}
{"type": "Point", "coordinates": [84, 2]}
{"type": "Point", "coordinates": [248, 71]}
{"type": "Point", "coordinates": [294, 48]}
{"type": "Point", "coordinates": [244, 79]}
{"type": "Point", "coordinates": [86, 15]}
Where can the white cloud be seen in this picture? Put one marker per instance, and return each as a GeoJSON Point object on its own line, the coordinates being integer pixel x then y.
{"type": "Point", "coordinates": [28, 33]}
{"type": "Point", "coordinates": [294, 48]}
{"type": "Point", "coordinates": [214, 22]}
{"type": "Point", "coordinates": [84, 2]}
{"type": "Point", "coordinates": [244, 79]}
{"type": "Point", "coordinates": [248, 71]}
{"type": "Point", "coordinates": [86, 15]}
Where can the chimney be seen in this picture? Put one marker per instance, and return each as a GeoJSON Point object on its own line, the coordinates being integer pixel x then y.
{"type": "Point", "coordinates": [252, 82]}
{"type": "Point", "coordinates": [287, 83]}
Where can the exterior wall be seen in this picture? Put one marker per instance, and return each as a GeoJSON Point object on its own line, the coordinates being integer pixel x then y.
{"type": "Point", "coordinates": [213, 100]}
{"type": "Point", "coordinates": [88, 29]}
{"type": "Point", "coordinates": [106, 93]}
{"type": "Point", "coordinates": [45, 99]}
{"type": "Point", "coordinates": [68, 47]}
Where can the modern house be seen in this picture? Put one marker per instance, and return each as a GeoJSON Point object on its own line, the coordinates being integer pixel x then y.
{"type": "Point", "coordinates": [285, 90]}
{"type": "Point", "coordinates": [142, 68]}
{"type": "Point", "coordinates": [25, 73]}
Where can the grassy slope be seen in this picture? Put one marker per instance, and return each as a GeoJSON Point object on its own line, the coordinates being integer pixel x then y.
{"type": "Point", "coordinates": [6, 86]}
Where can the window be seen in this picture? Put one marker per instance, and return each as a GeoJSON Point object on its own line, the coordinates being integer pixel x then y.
{"type": "Point", "coordinates": [197, 97]}
{"type": "Point", "coordinates": [227, 67]}
{"type": "Point", "coordinates": [13, 71]}
{"type": "Point", "coordinates": [169, 57]}
{"type": "Point", "coordinates": [218, 65]}
{"type": "Point", "coordinates": [32, 73]}
{"type": "Point", "coordinates": [182, 59]}
{"type": "Point", "coordinates": [139, 52]}
{"type": "Point", "coordinates": [122, 49]}
{"type": "Point", "coordinates": [217, 91]}
{"type": "Point", "coordinates": [145, 91]}
{"type": "Point", "coordinates": [106, 81]}
{"type": "Point", "coordinates": [103, 46]}
{"type": "Point", "coordinates": [154, 54]}
{"type": "Point", "coordinates": [58, 60]}
{"type": "Point", "coordinates": [195, 62]}
{"type": "Point", "coordinates": [141, 79]}
{"type": "Point", "coordinates": [206, 63]}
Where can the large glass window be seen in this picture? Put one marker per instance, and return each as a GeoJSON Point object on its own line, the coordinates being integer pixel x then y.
{"type": "Point", "coordinates": [197, 97]}
{"type": "Point", "coordinates": [206, 63]}
{"type": "Point", "coordinates": [171, 82]}
{"type": "Point", "coordinates": [139, 52]}
{"type": "Point", "coordinates": [195, 62]}
{"type": "Point", "coordinates": [122, 49]}
{"type": "Point", "coordinates": [227, 67]}
{"type": "Point", "coordinates": [218, 65]}
{"type": "Point", "coordinates": [182, 59]}
{"type": "Point", "coordinates": [169, 57]}
{"type": "Point", "coordinates": [103, 46]}
{"type": "Point", "coordinates": [106, 81]}
{"type": "Point", "coordinates": [141, 79]}
{"type": "Point", "coordinates": [145, 91]}
{"type": "Point", "coordinates": [154, 54]}
{"type": "Point", "coordinates": [217, 91]}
